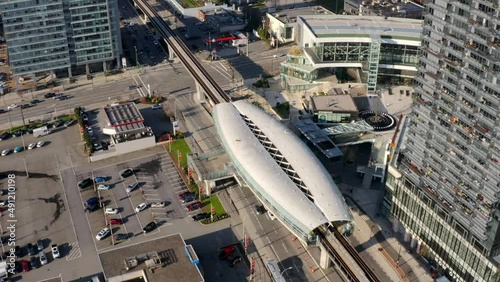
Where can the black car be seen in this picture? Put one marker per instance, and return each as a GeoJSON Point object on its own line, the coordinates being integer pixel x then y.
{"type": "Point", "coordinates": [91, 208]}
{"type": "Point", "coordinates": [31, 249]}
{"type": "Point", "coordinates": [49, 95]}
{"type": "Point", "coordinates": [58, 123]}
{"type": "Point", "coordinates": [121, 236]}
{"type": "Point", "coordinates": [260, 209]}
{"type": "Point", "coordinates": [34, 102]}
{"type": "Point", "coordinates": [85, 183]}
{"type": "Point", "coordinates": [126, 173]}
{"type": "Point", "coordinates": [2, 111]}
{"type": "Point", "coordinates": [201, 216]}
{"type": "Point", "coordinates": [39, 245]}
{"type": "Point", "coordinates": [61, 97]}
{"type": "Point", "coordinates": [19, 251]}
{"type": "Point", "coordinates": [18, 133]}
{"type": "Point", "coordinates": [4, 136]}
{"type": "Point", "coordinates": [25, 106]}
{"type": "Point", "coordinates": [150, 227]}
{"type": "Point", "coordinates": [34, 262]}
{"type": "Point", "coordinates": [69, 122]}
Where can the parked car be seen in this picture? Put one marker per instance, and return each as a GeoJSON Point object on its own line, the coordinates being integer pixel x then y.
{"type": "Point", "coordinates": [260, 209]}
{"type": "Point", "coordinates": [102, 234]}
{"type": "Point", "coordinates": [111, 211]}
{"type": "Point", "coordinates": [100, 179]}
{"type": "Point", "coordinates": [158, 205]}
{"type": "Point", "coordinates": [103, 187]}
{"type": "Point", "coordinates": [156, 107]}
{"type": "Point", "coordinates": [26, 266]}
{"type": "Point", "coordinates": [11, 107]}
{"type": "Point", "coordinates": [39, 245]}
{"type": "Point", "coordinates": [40, 144]}
{"type": "Point", "coordinates": [43, 258]}
{"type": "Point", "coordinates": [6, 152]}
{"type": "Point", "coordinates": [19, 251]}
{"type": "Point", "coordinates": [25, 106]}
{"type": "Point", "coordinates": [5, 135]}
{"type": "Point", "coordinates": [58, 123]}
{"type": "Point", "coordinates": [31, 249]}
{"type": "Point", "coordinates": [116, 221]}
{"type": "Point", "coordinates": [126, 173]}
{"type": "Point", "coordinates": [93, 200]}
{"type": "Point", "coordinates": [18, 149]}
{"type": "Point", "coordinates": [49, 95]}
{"type": "Point", "coordinates": [150, 227]}
{"type": "Point", "coordinates": [85, 183]}
{"type": "Point", "coordinates": [33, 262]}
{"type": "Point", "coordinates": [201, 216]}
{"type": "Point", "coordinates": [226, 251]}
{"type": "Point", "coordinates": [55, 251]}
{"type": "Point", "coordinates": [131, 87]}
{"type": "Point", "coordinates": [141, 207]}
{"type": "Point", "coordinates": [34, 102]}
{"type": "Point", "coordinates": [184, 194]}
{"type": "Point", "coordinates": [132, 187]}
{"type": "Point", "coordinates": [91, 208]}
{"type": "Point", "coordinates": [31, 146]}
{"type": "Point", "coordinates": [121, 236]}
{"type": "Point", "coordinates": [69, 122]}
{"type": "Point", "coordinates": [189, 198]}
{"type": "Point", "coordinates": [193, 206]}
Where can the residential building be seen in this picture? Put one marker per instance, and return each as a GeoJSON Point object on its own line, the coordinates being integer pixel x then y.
{"type": "Point", "coordinates": [443, 187]}
{"type": "Point", "coordinates": [50, 35]}
{"type": "Point", "coordinates": [345, 49]}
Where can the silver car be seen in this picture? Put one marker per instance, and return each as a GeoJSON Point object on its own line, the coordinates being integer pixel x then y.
{"type": "Point", "coordinates": [43, 258]}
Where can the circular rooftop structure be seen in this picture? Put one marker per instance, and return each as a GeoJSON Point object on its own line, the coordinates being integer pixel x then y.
{"type": "Point", "coordinates": [380, 121]}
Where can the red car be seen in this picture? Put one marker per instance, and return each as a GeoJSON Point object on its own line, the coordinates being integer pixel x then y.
{"type": "Point", "coordinates": [116, 221]}
{"type": "Point", "coordinates": [26, 265]}
{"type": "Point", "coordinates": [193, 206]}
{"type": "Point", "coordinates": [183, 195]}
{"type": "Point", "coordinates": [226, 252]}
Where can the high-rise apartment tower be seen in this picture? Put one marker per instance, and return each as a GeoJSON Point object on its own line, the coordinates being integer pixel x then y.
{"type": "Point", "coordinates": [443, 186]}
{"type": "Point", "coordinates": [50, 35]}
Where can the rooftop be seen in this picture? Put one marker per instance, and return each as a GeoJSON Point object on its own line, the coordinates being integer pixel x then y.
{"type": "Point", "coordinates": [334, 103]}
{"type": "Point", "coordinates": [124, 118]}
{"type": "Point", "coordinates": [222, 17]}
{"type": "Point", "coordinates": [392, 8]}
{"type": "Point", "coordinates": [249, 140]}
{"type": "Point", "coordinates": [172, 252]}
{"type": "Point", "coordinates": [366, 26]}
{"type": "Point", "coordinates": [290, 15]}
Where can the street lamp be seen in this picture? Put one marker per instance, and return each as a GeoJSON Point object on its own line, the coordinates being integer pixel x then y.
{"type": "Point", "coordinates": [399, 254]}
{"type": "Point", "coordinates": [281, 274]}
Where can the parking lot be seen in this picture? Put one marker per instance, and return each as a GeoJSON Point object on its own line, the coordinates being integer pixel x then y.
{"type": "Point", "coordinates": [158, 181]}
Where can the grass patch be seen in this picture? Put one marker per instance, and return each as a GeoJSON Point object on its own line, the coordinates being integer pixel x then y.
{"type": "Point", "coordinates": [191, 4]}
{"type": "Point", "coordinates": [283, 110]}
{"type": "Point", "coordinates": [180, 146]}
{"type": "Point", "coordinates": [214, 202]}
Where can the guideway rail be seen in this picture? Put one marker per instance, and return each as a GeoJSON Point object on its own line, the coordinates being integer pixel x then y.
{"type": "Point", "coordinates": [202, 77]}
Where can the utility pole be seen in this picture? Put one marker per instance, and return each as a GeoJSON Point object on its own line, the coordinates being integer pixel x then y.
{"type": "Point", "coordinates": [248, 41]}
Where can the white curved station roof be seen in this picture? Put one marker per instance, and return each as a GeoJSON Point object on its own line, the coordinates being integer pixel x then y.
{"type": "Point", "coordinates": [242, 144]}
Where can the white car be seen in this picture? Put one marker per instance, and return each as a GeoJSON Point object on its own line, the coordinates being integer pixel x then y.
{"type": "Point", "coordinates": [155, 107]}
{"type": "Point", "coordinates": [43, 258]}
{"type": "Point", "coordinates": [111, 211]}
{"type": "Point", "coordinates": [31, 146]}
{"type": "Point", "coordinates": [103, 187]}
{"type": "Point", "coordinates": [5, 152]}
{"type": "Point", "coordinates": [90, 131]}
{"type": "Point", "coordinates": [13, 106]}
{"type": "Point", "coordinates": [55, 251]}
{"type": "Point", "coordinates": [158, 205]}
{"type": "Point", "coordinates": [102, 234]}
{"type": "Point", "coordinates": [40, 144]}
{"type": "Point", "coordinates": [141, 207]}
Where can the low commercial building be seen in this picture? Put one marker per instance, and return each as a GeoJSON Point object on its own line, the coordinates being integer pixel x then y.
{"type": "Point", "coordinates": [221, 20]}
{"type": "Point", "coordinates": [342, 48]}
{"type": "Point", "coordinates": [164, 259]}
{"type": "Point", "coordinates": [124, 124]}
{"type": "Point", "coordinates": [333, 108]}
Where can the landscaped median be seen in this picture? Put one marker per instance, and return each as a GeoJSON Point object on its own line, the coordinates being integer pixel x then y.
{"type": "Point", "coordinates": [178, 150]}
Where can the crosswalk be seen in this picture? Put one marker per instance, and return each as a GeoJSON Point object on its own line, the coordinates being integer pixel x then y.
{"type": "Point", "coordinates": [74, 251]}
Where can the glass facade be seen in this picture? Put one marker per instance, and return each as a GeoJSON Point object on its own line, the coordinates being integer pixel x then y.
{"type": "Point", "coordinates": [45, 35]}
{"type": "Point", "coordinates": [449, 195]}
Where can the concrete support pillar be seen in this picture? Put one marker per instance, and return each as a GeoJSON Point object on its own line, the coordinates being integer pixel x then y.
{"type": "Point", "coordinates": [70, 74]}
{"type": "Point", "coordinates": [324, 258]}
{"type": "Point", "coordinates": [419, 245]}
{"type": "Point", "coordinates": [104, 66]}
{"type": "Point", "coordinates": [199, 93]}
{"type": "Point", "coordinates": [118, 63]}
{"type": "Point", "coordinates": [413, 242]}
{"type": "Point", "coordinates": [87, 69]}
{"type": "Point", "coordinates": [171, 54]}
{"type": "Point", "coordinates": [407, 236]}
